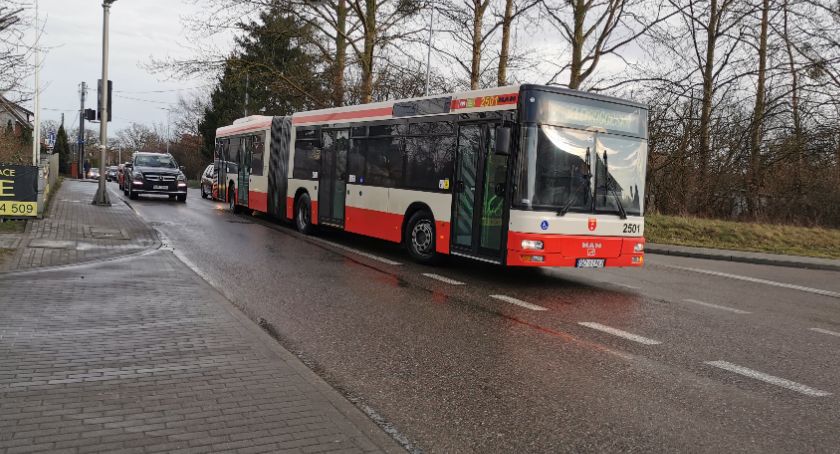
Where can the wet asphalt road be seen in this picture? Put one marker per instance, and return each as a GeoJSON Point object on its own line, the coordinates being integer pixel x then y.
{"type": "Point", "coordinates": [746, 360]}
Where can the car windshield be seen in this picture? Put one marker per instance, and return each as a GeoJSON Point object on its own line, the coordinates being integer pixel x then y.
{"type": "Point", "coordinates": [155, 161]}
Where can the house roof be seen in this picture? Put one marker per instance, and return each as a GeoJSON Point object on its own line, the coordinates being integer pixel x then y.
{"type": "Point", "coordinates": [20, 114]}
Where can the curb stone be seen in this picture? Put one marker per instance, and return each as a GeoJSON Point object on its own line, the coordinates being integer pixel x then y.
{"type": "Point", "coordinates": [757, 258]}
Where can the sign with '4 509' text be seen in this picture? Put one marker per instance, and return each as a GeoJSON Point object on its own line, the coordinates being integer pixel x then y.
{"type": "Point", "coordinates": [18, 190]}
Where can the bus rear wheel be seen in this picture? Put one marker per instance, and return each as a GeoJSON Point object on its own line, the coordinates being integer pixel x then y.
{"type": "Point", "coordinates": [420, 238]}
{"type": "Point", "coordinates": [303, 214]}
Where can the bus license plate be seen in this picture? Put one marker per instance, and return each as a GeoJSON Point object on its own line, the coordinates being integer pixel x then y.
{"type": "Point", "coordinates": [158, 186]}
{"type": "Point", "coordinates": [590, 263]}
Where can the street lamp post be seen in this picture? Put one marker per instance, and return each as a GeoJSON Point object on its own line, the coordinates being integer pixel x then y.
{"type": "Point", "coordinates": [101, 198]}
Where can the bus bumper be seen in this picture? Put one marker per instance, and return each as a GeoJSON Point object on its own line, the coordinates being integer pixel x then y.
{"type": "Point", "coordinates": [565, 250]}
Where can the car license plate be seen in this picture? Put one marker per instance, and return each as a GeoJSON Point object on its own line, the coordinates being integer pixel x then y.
{"type": "Point", "coordinates": [589, 263]}
{"type": "Point", "coordinates": [160, 186]}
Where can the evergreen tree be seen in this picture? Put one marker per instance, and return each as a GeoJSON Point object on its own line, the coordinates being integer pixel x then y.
{"type": "Point", "coordinates": [62, 147]}
{"type": "Point", "coordinates": [281, 68]}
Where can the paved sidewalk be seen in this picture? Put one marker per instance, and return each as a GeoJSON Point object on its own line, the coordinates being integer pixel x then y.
{"type": "Point", "coordinates": [75, 231]}
{"type": "Point", "coordinates": [745, 257]}
{"type": "Point", "coordinates": [141, 355]}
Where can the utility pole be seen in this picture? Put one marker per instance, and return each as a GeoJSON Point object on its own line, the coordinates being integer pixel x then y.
{"type": "Point", "coordinates": [81, 140]}
{"type": "Point", "coordinates": [36, 136]}
{"type": "Point", "coordinates": [101, 198]}
{"type": "Point", "coordinates": [247, 81]}
{"type": "Point", "coordinates": [429, 51]}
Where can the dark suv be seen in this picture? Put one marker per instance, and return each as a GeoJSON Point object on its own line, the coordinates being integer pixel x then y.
{"type": "Point", "coordinates": [155, 173]}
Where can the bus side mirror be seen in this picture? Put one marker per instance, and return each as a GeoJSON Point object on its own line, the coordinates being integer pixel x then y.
{"type": "Point", "coordinates": [503, 140]}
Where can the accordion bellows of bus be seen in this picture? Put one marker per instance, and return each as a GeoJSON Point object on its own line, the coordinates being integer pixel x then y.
{"type": "Point", "coordinates": [525, 175]}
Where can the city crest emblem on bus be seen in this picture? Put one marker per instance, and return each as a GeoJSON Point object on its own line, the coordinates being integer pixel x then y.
{"type": "Point", "coordinates": [593, 223]}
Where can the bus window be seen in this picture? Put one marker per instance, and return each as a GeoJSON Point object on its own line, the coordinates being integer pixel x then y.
{"type": "Point", "coordinates": [382, 156]}
{"type": "Point", "coordinates": [233, 150]}
{"type": "Point", "coordinates": [307, 159]}
{"type": "Point", "coordinates": [257, 155]}
{"type": "Point", "coordinates": [356, 161]}
{"type": "Point", "coordinates": [430, 154]}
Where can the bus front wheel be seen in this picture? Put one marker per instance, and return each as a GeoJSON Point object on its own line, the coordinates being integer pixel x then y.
{"type": "Point", "coordinates": [420, 238]}
{"type": "Point", "coordinates": [303, 214]}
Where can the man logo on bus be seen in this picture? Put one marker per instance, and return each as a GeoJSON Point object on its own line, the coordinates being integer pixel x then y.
{"type": "Point", "coordinates": [593, 223]}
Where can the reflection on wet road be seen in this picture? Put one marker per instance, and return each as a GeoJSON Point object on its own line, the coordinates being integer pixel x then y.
{"type": "Point", "coordinates": [468, 357]}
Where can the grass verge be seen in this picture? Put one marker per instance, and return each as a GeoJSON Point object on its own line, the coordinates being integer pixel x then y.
{"type": "Point", "coordinates": [743, 236]}
{"type": "Point", "coordinates": [12, 226]}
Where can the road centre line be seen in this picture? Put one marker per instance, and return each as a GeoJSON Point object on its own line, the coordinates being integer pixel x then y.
{"type": "Point", "coordinates": [518, 302]}
{"type": "Point", "coordinates": [759, 281]}
{"type": "Point", "coordinates": [633, 287]}
{"type": "Point", "coordinates": [825, 331]}
{"type": "Point", "coordinates": [620, 333]}
{"type": "Point", "coordinates": [443, 278]}
{"type": "Point", "coordinates": [754, 374]}
{"type": "Point", "coordinates": [715, 306]}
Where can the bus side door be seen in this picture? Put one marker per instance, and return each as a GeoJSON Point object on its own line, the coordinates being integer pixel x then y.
{"type": "Point", "coordinates": [478, 208]}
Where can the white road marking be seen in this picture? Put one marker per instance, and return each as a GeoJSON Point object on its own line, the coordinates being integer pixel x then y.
{"type": "Point", "coordinates": [518, 302]}
{"type": "Point", "coordinates": [633, 287]}
{"type": "Point", "coordinates": [754, 374]}
{"type": "Point", "coordinates": [760, 281]}
{"type": "Point", "coordinates": [443, 278]}
{"type": "Point", "coordinates": [358, 252]}
{"type": "Point", "coordinates": [825, 331]}
{"type": "Point", "coordinates": [620, 333]}
{"type": "Point", "coordinates": [715, 306]}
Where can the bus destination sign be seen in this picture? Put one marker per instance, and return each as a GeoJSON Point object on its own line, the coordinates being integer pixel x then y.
{"type": "Point", "coordinates": [18, 190]}
{"type": "Point", "coordinates": [578, 114]}
{"type": "Point", "coordinates": [485, 101]}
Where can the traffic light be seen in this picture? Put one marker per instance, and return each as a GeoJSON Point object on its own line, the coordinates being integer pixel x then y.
{"type": "Point", "coordinates": [99, 99]}
{"type": "Point", "coordinates": [90, 114]}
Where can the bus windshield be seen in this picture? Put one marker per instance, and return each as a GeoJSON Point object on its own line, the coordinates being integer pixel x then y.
{"type": "Point", "coordinates": [564, 169]}
{"type": "Point", "coordinates": [580, 153]}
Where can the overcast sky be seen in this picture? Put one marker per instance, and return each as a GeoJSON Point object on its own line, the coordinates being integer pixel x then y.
{"type": "Point", "coordinates": [139, 29]}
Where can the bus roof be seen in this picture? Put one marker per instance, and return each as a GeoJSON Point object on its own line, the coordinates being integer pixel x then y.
{"type": "Point", "coordinates": [497, 98]}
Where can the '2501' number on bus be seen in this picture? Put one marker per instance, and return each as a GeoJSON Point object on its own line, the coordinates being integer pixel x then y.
{"type": "Point", "coordinates": [631, 228]}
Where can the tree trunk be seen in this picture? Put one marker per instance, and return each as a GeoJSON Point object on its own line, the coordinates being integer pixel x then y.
{"type": "Point", "coordinates": [504, 54]}
{"type": "Point", "coordinates": [753, 199]}
{"type": "Point", "coordinates": [579, 13]}
{"type": "Point", "coordinates": [340, 53]}
{"type": "Point", "coordinates": [478, 19]}
{"type": "Point", "coordinates": [368, 52]}
{"type": "Point", "coordinates": [706, 106]}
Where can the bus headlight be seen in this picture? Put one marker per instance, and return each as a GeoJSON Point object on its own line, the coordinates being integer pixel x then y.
{"type": "Point", "coordinates": [639, 248]}
{"type": "Point", "coordinates": [532, 244]}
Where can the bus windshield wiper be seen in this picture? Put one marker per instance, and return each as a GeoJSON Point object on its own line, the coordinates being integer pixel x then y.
{"type": "Point", "coordinates": [611, 189]}
{"type": "Point", "coordinates": [584, 177]}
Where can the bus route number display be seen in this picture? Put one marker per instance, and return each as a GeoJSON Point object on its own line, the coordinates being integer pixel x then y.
{"type": "Point", "coordinates": [18, 190]}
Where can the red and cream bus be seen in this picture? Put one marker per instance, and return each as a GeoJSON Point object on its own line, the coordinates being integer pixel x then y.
{"type": "Point", "coordinates": [522, 175]}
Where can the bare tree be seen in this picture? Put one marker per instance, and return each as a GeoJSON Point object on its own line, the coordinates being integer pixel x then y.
{"type": "Point", "coordinates": [14, 51]}
{"type": "Point", "coordinates": [512, 11]}
{"type": "Point", "coordinates": [595, 29]}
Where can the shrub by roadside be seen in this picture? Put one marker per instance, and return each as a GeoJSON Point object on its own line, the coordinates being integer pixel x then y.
{"type": "Point", "coordinates": [743, 236]}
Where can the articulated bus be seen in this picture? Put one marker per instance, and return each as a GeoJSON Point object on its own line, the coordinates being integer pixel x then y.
{"type": "Point", "coordinates": [523, 175]}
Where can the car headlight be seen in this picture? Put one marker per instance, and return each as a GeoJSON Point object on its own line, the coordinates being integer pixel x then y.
{"type": "Point", "coordinates": [138, 176]}
{"type": "Point", "coordinates": [181, 177]}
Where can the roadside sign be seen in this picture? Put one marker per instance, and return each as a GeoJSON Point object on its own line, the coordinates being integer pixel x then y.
{"type": "Point", "coordinates": [51, 138]}
{"type": "Point", "coordinates": [18, 191]}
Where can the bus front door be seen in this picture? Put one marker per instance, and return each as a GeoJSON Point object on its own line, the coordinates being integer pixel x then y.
{"type": "Point", "coordinates": [244, 174]}
{"type": "Point", "coordinates": [479, 195]}
{"type": "Point", "coordinates": [332, 186]}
